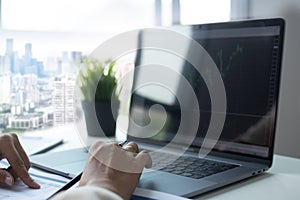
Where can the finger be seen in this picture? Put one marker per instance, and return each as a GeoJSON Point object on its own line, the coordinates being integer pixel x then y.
{"type": "Point", "coordinates": [6, 177]}
{"type": "Point", "coordinates": [21, 151]}
{"type": "Point", "coordinates": [18, 166]}
{"type": "Point", "coordinates": [144, 158]}
{"type": "Point", "coordinates": [12, 172]}
{"type": "Point", "coordinates": [132, 147]}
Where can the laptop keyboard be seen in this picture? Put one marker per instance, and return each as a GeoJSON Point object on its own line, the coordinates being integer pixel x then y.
{"type": "Point", "coordinates": [188, 166]}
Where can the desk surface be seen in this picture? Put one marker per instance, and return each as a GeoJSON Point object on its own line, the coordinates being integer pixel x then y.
{"type": "Point", "coordinates": [282, 181]}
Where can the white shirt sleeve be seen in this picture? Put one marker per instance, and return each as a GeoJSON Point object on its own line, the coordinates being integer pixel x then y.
{"type": "Point", "coordinates": [87, 192]}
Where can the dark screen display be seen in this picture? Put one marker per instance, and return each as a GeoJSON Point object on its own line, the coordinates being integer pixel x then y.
{"type": "Point", "coordinates": [248, 60]}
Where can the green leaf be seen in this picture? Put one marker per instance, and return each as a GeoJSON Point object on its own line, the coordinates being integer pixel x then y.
{"type": "Point", "coordinates": [95, 83]}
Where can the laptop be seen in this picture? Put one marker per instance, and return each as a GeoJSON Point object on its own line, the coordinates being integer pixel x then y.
{"type": "Point", "coordinates": [228, 134]}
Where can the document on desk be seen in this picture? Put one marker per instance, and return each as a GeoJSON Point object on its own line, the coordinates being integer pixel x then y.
{"type": "Point", "coordinates": [38, 144]}
{"type": "Point", "coordinates": [49, 184]}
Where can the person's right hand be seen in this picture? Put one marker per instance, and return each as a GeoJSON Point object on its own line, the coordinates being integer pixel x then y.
{"type": "Point", "coordinates": [11, 149]}
{"type": "Point", "coordinates": [115, 168]}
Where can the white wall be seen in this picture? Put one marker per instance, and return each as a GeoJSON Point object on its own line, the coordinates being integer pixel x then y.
{"type": "Point", "coordinates": [288, 129]}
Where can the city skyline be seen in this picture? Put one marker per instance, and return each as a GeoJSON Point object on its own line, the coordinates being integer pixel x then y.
{"type": "Point", "coordinates": [34, 93]}
{"type": "Point", "coordinates": [11, 60]}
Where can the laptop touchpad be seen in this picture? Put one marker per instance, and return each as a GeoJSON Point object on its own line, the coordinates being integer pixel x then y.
{"type": "Point", "coordinates": [170, 183]}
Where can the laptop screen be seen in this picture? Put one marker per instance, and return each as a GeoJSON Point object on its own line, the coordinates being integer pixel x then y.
{"type": "Point", "coordinates": [247, 55]}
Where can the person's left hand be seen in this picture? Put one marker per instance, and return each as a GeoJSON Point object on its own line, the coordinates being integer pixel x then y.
{"type": "Point", "coordinates": [11, 149]}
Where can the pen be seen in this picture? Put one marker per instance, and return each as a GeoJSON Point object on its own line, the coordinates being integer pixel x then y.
{"type": "Point", "coordinates": [68, 185]}
{"type": "Point", "coordinates": [77, 178]}
{"type": "Point", "coordinates": [121, 144]}
{"type": "Point", "coordinates": [51, 170]}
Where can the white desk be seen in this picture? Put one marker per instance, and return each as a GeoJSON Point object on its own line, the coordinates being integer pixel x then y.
{"type": "Point", "coordinates": [282, 181]}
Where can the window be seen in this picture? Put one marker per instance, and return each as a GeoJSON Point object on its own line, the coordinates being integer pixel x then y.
{"type": "Point", "coordinates": [77, 15]}
{"type": "Point", "coordinates": [70, 25]}
{"type": "Point", "coordinates": [41, 41]}
{"type": "Point", "coordinates": [203, 11]}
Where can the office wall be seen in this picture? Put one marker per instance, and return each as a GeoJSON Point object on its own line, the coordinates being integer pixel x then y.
{"type": "Point", "coordinates": [288, 129]}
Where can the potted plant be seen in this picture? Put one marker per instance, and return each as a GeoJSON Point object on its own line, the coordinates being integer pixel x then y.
{"type": "Point", "coordinates": [98, 85]}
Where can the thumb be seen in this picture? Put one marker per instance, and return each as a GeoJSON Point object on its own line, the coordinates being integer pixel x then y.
{"type": "Point", "coordinates": [144, 158]}
{"type": "Point", "coordinates": [6, 177]}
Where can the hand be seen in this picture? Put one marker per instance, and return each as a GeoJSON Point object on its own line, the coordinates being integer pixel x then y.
{"type": "Point", "coordinates": [115, 168]}
{"type": "Point", "coordinates": [11, 149]}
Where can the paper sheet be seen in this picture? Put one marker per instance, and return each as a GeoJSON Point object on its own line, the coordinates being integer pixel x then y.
{"type": "Point", "coordinates": [49, 184]}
